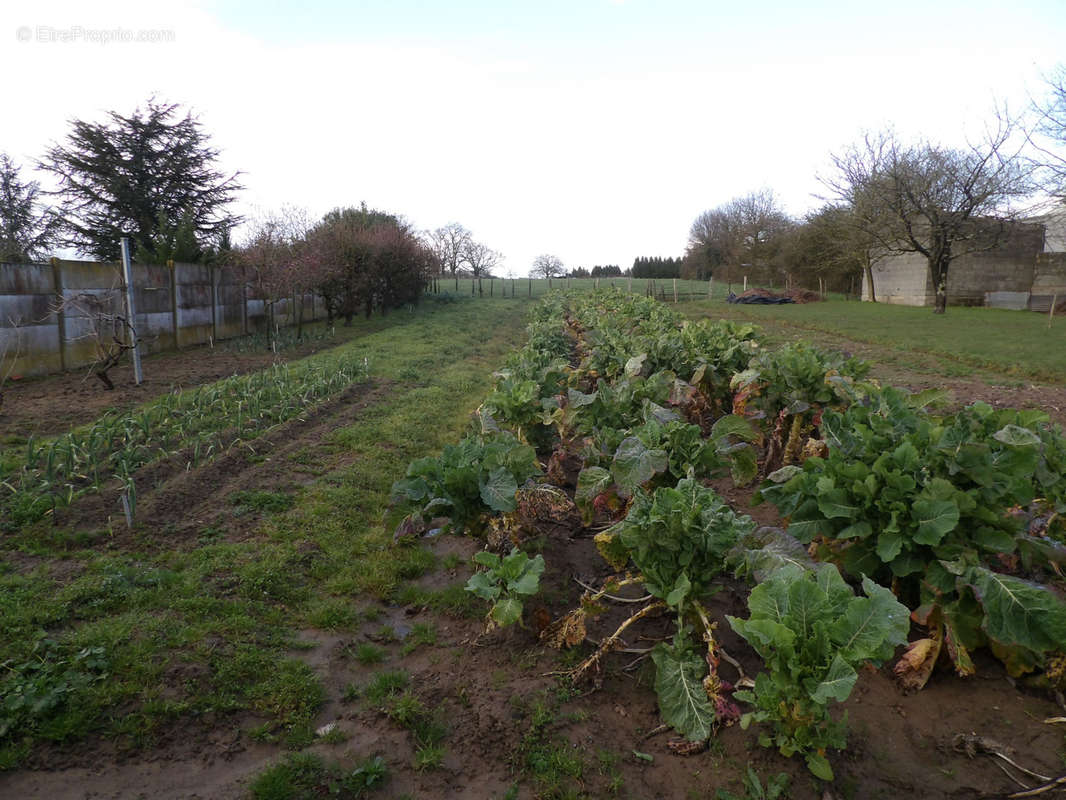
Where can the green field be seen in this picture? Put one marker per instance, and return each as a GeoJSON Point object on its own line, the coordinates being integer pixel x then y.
{"type": "Point", "coordinates": [1018, 343]}
{"type": "Point", "coordinates": [1015, 343]}
{"type": "Point", "coordinates": [535, 288]}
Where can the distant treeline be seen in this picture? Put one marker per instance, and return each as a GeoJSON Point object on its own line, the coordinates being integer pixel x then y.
{"type": "Point", "coordinates": [643, 267]}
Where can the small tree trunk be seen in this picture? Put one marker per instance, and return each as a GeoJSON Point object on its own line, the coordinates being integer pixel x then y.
{"type": "Point", "coordinates": [939, 261]}
{"type": "Point", "coordinates": [941, 303]}
{"type": "Point", "coordinates": [870, 281]}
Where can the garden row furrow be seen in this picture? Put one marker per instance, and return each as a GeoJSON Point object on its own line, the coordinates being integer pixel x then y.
{"type": "Point", "coordinates": [203, 422]}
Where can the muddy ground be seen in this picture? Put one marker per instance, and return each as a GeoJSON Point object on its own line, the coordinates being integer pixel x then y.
{"type": "Point", "coordinates": [486, 686]}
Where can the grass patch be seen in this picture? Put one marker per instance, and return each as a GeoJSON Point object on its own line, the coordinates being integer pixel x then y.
{"type": "Point", "coordinates": [261, 502]}
{"type": "Point", "coordinates": [332, 614]}
{"type": "Point", "coordinates": [1009, 342]}
{"type": "Point", "coordinates": [422, 633]}
{"type": "Point", "coordinates": [456, 601]}
{"type": "Point", "coordinates": [368, 654]}
{"type": "Point", "coordinates": [555, 766]}
{"type": "Point", "coordinates": [386, 684]}
{"type": "Point", "coordinates": [305, 776]}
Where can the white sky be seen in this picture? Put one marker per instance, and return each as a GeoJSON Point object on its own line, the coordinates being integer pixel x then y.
{"type": "Point", "coordinates": [596, 130]}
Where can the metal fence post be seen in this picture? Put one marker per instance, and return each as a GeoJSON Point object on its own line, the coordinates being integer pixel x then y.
{"type": "Point", "coordinates": [131, 309]}
{"type": "Point", "coordinates": [61, 317]}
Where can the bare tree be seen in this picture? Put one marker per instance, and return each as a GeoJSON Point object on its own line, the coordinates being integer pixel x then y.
{"type": "Point", "coordinates": [1049, 135]}
{"type": "Point", "coordinates": [547, 266]}
{"type": "Point", "coordinates": [834, 243]}
{"type": "Point", "coordinates": [273, 257]}
{"type": "Point", "coordinates": [10, 350]}
{"type": "Point", "coordinates": [743, 233]}
{"type": "Point", "coordinates": [481, 259]}
{"type": "Point", "coordinates": [713, 242]}
{"type": "Point", "coordinates": [449, 244]}
{"type": "Point", "coordinates": [110, 330]}
{"type": "Point", "coordinates": [939, 202]}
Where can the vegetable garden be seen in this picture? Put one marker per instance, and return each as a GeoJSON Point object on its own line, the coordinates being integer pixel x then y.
{"type": "Point", "coordinates": [197, 424]}
{"type": "Point", "coordinates": [911, 538]}
{"type": "Point", "coordinates": [682, 552]}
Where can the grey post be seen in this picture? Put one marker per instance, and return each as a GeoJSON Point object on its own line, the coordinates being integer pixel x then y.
{"type": "Point", "coordinates": [131, 311]}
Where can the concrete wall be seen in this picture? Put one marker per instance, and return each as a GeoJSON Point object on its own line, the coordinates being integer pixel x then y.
{"type": "Point", "coordinates": [973, 279]}
{"type": "Point", "coordinates": [179, 306]}
{"type": "Point", "coordinates": [902, 279]}
{"type": "Point", "coordinates": [1049, 281]}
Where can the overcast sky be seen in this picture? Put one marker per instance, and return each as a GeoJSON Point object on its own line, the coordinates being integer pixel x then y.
{"type": "Point", "coordinates": [596, 130]}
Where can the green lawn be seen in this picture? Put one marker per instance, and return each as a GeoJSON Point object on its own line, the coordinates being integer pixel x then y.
{"type": "Point", "coordinates": [1015, 343]}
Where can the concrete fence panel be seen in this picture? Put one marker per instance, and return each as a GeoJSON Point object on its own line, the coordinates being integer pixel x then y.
{"type": "Point", "coordinates": [46, 324]}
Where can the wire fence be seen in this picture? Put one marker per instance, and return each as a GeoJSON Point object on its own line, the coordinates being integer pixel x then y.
{"type": "Point", "coordinates": [666, 289]}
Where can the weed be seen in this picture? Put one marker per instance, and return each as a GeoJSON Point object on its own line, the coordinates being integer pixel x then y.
{"type": "Point", "coordinates": [210, 535]}
{"type": "Point", "coordinates": [385, 684]}
{"type": "Point", "coordinates": [335, 736]}
{"type": "Point", "coordinates": [429, 757]}
{"type": "Point", "coordinates": [456, 602]}
{"type": "Point", "coordinates": [367, 654]}
{"type": "Point", "coordinates": [607, 766]}
{"type": "Point", "coordinates": [49, 689]}
{"type": "Point", "coordinates": [776, 787]}
{"type": "Point", "coordinates": [405, 709]}
{"type": "Point", "coordinates": [551, 762]}
{"type": "Point", "coordinates": [332, 613]}
{"type": "Point", "coordinates": [372, 613]}
{"type": "Point", "coordinates": [408, 594]}
{"type": "Point", "coordinates": [304, 776]}
{"type": "Point", "coordinates": [422, 633]}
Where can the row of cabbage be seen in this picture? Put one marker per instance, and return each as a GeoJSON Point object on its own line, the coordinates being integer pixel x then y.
{"type": "Point", "coordinates": [943, 519]}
